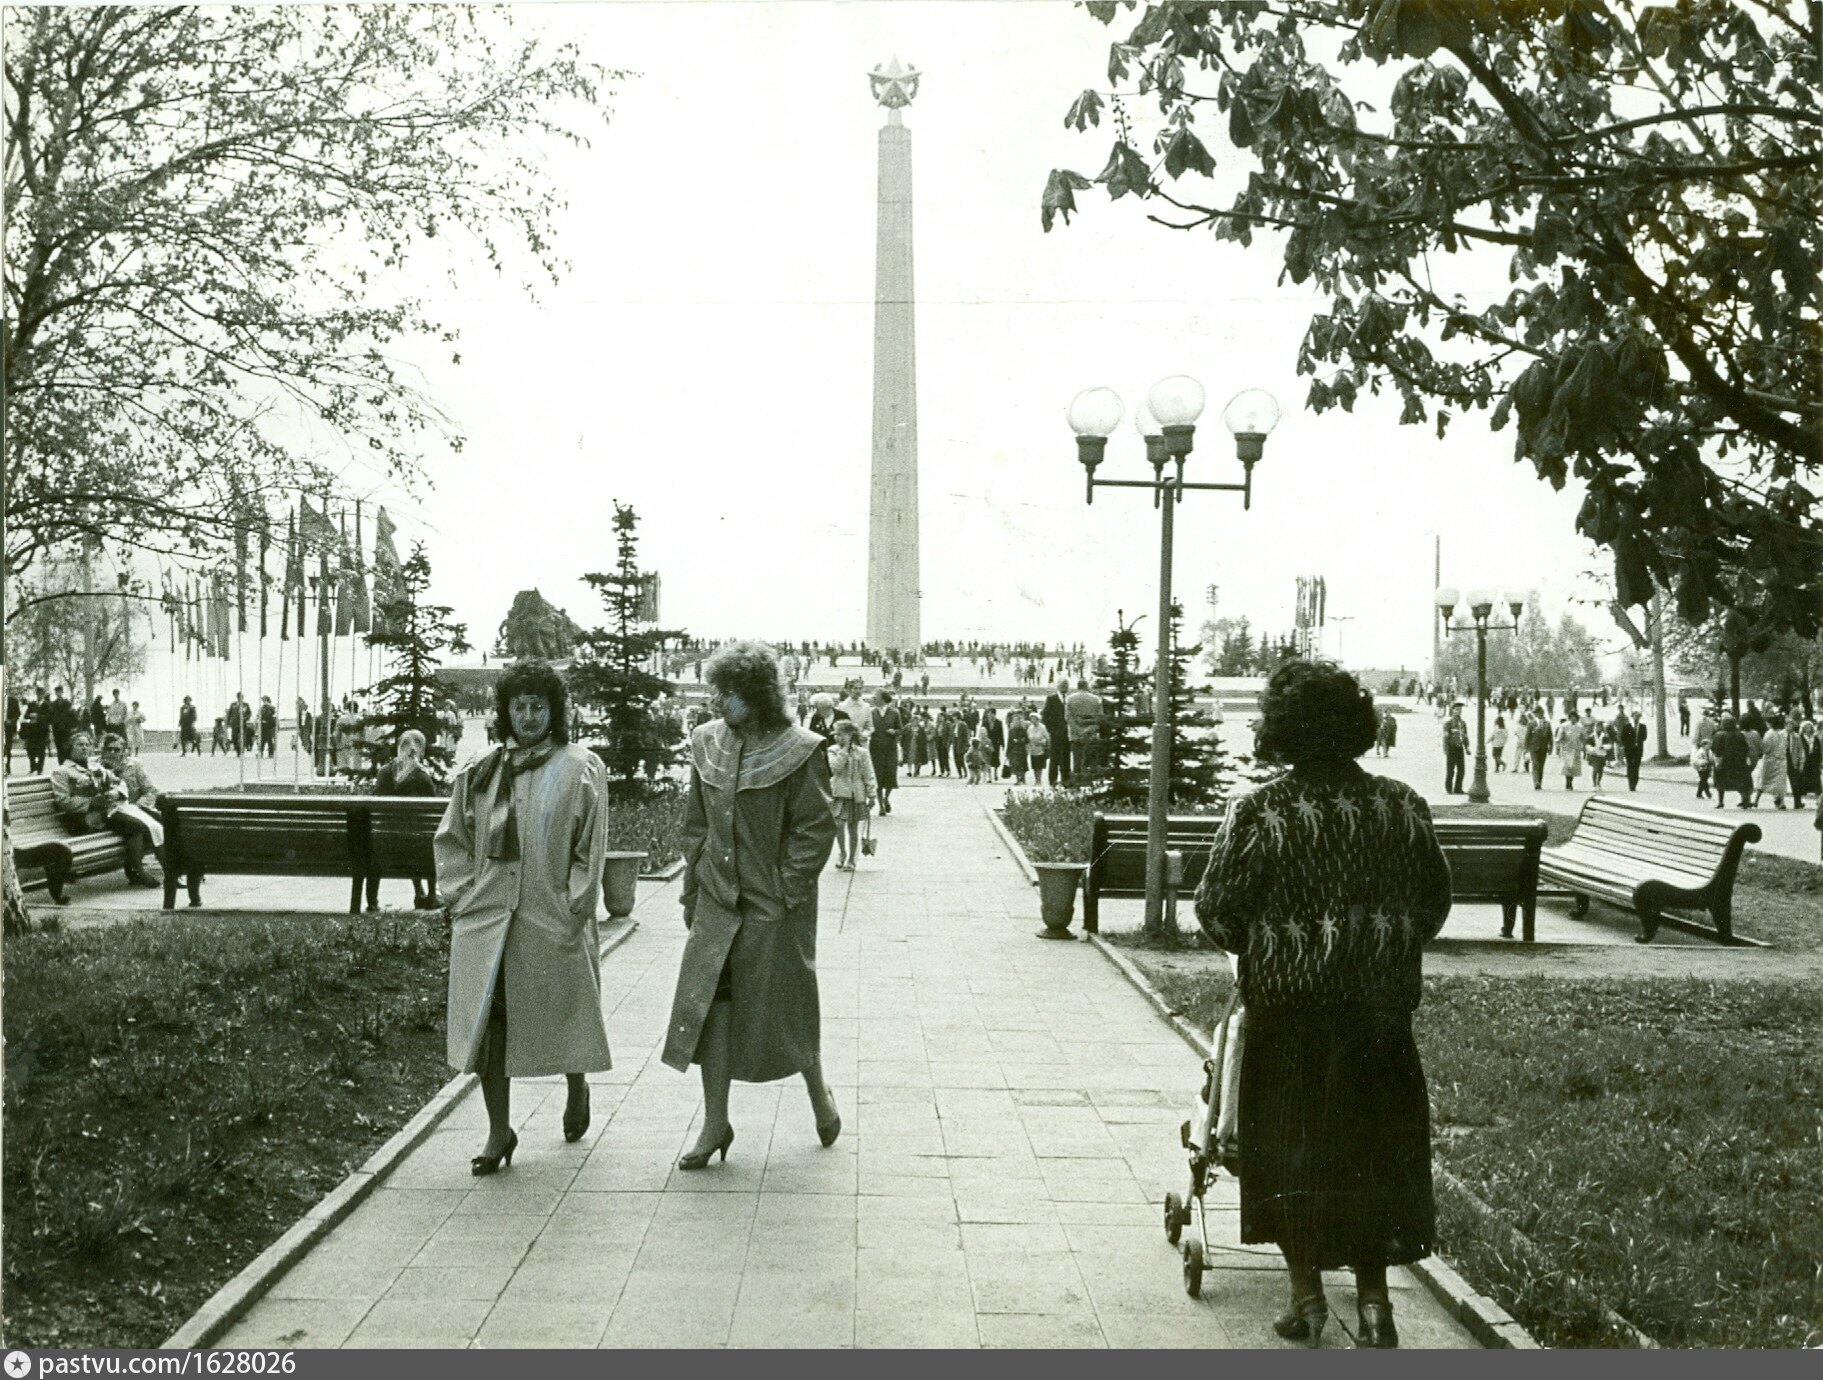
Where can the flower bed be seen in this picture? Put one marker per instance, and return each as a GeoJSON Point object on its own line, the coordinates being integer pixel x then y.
{"type": "Point", "coordinates": [652, 825]}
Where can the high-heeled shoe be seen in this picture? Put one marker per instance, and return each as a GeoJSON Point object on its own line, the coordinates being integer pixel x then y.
{"type": "Point", "coordinates": [1304, 1321]}
{"type": "Point", "coordinates": [488, 1164]}
{"type": "Point", "coordinates": [1375, 1327]}
{"type": "Point", "coordinates": [699, 1159]}
{"type": "Point", "coordinates": [576, 1126]}
{"type": "Point", "coordinates": [827, 1131]}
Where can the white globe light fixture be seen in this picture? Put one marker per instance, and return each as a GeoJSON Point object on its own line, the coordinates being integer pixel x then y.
{"type": "Point", "coordinates": [1251, 415]}
{"type": "Point", "coordinates": [1481, 603]}
{"type": "Point", "coordinates": [1176, 402]}
{"type": "Point", "coordinates": [1447, 599]}
{"type": "Point", "coordinates": [1093, 414]}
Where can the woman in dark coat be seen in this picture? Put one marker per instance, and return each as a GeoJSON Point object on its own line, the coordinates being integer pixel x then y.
{"type": "Point", "coordinates": [996, 737]}
{"type": "Point", "coordinates": [1733, 763]}
{"type": "Point", "coordinates": [1326, 884]}
{"type": "Point", "coordinates": [758, 829]}
{"type": "Point", "coordinates": [884, 727]}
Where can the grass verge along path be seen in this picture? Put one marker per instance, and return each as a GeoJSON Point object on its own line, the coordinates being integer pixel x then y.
{"type": "Point", "coordinates": [1656, 1139]}
{"type": "Point", "coordinates": [179, 1092]}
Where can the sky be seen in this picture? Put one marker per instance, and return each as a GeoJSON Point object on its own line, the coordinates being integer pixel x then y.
{"type": "Point", "coordinates": [709, 360]}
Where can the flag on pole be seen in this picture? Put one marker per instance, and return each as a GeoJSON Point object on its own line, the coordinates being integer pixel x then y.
{"type": "Point", "coordinates": [363, 609]}
{"type": "Point", "coordinates": [224, 622]}
{"type": "Point", "coordinates": [265, 582]}
{"type": "Point", "coordinates": [344, 602]}
{"type": "Point", "coordinates": [294, 579]}
{"type": "Point", "coordinates": [240, 575]}
{"type": "Point", "coordinates": [316, 533]}
{"type": "Point", "coordinates": [385, 570]}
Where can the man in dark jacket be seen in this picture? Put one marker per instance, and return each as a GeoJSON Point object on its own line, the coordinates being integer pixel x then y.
{"type": "Point", "coordinates": [63, 723]}
{"type": "Point", "coordinates": [1633, 747]}
{"type": "Point", "coordinates": [35, 729]}
{"type": "Point", "coordinates": [1538, 743]}
{"type": "Point", "coordinates": [269, 727]}
{"type": "Point", "coordinates": [1057, 723]}
{"type": "Point", "coordinates": [14, 710]}
{"type": "Point", "coordinates": [187, 736]}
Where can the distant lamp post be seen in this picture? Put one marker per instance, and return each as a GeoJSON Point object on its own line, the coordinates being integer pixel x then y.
{"type": "Point", "coordinates": [1166, 421]}
{"type": "Point", "coordinates": [1481, 608]}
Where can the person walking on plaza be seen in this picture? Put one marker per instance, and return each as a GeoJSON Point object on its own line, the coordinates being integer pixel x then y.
{"type": "Point", "coordinates": [852, 783]}
{"type": "Point", "coordinates": [519, 858]}
{"type": "Point", "coordinates": [1775, 764]}
{"type": "Point", "coordinates": [63, 720]}
{"type": "Point", "coordinates": [187, 736]}
{"type": "Point", "coordinates": [996, 740]}
{"type": "Point", "coordinates": [136, 730]}
{"type": "Point", "coordinates": [1733, 771]}
{"type": "Point", "coordinates": [114, 716]}
{"type": "Point", "coordinates": [95, 719]}
{"type": "Point", "coordinates": [88, 798]}
{"type": "Point", "coordinates": [14, 709]}
{"type": "Point", "coordinates": [759, 824]}
{"type": "Point", "coordinates": [1632, 747]}
{"type": "Point", "coordinates": [1597, 747]}
{"type": "Point", "coordinates": [1056, 722]}
{"type": "Point", "coordinates": [1018, 747]}
{"type": "Point", "coordinates": [1703, 760]}
{"type": "Point", "coordinates": [269, 727]}
{"type": "Point", "coordinates": [1327, 883]}
{"type": "Point", "coordinates": [1705, 727]}
{"type": "Point", "coordinates": [1083, 711]}
{"type": "Point", "coordinates": [1572, 741]}
{"type": "Point", "coordinates": [1497, 742]}
{"type": "Point", "coordinates": [885, 725]}
{"type": "Point", "coordinates": [1038, 744]}
{"type": "Point", "coordinates": [1806, 763]}
{"type": "Point", "coordinates": [1683, 715]}
{"type": "Point", "coordinates": [406, 774]}
{"type": "Point", "coordinates": [1455, 750]}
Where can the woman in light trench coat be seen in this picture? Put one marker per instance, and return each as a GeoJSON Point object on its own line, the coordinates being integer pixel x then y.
{"type": "Point", "coordinates": [758, 828]}
{"type": "Point", "coordinates": [519, 860]}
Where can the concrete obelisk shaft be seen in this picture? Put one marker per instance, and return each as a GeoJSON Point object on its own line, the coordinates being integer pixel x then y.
{"type": "Point", "coordinates": [892, 546]}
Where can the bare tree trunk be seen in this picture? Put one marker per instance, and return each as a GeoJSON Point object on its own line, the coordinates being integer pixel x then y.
{"type": "Point", "coordinates": [18, 918]}
{"type": "Point", "coordinates": [1658, 676]}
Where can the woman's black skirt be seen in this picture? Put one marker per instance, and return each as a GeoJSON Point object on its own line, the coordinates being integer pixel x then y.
{"type": "Point", "coordinates": [884, 749]}
{"type": "Point", "coordinates": [1335, 1138]}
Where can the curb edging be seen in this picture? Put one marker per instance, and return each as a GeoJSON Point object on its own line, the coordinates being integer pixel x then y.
{"type": "Point", "coordinates": [229, 1304]}
{"type": "Point", "coordinates": [1487, 1322]}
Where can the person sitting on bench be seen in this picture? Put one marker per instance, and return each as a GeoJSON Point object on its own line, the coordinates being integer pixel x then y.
{"type": "Point", "coordinates": [89, 797]}
{"type": "Point", "coordinates": [406, 774]}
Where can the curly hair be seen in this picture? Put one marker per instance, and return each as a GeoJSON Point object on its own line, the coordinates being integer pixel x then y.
{"type": "Point", "coordinates": [750, 670]}
{"type": "Point", "coordinates": [1314, 712]}
{"type": "Point", "coordinates": [531, 678]}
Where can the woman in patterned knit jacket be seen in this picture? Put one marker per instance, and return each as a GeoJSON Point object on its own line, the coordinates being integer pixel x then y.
{"type": "Point", "coordinates": [1326, 885]}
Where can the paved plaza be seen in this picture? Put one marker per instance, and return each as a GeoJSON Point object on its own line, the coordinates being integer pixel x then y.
{"type": "Point", "coordinates": [1010, 1127]}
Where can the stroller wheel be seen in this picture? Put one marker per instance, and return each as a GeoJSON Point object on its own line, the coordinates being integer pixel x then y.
{"type": "Point", "coordinates": [1175, 1217]}
{"type": "Point", "coordinates": [1193, 1269]}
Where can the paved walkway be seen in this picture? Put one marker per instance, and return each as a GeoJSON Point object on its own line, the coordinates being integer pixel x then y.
{"type": "Point", "coordinates": [1011, 1111]}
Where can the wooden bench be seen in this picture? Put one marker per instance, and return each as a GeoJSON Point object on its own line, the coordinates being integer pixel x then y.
{"type": "Point", "coordinates": [1490, 860]}
{"type": "Point", "coordinates": [42, 840]}
{"type": "Point", "coordinates": [260, 835]}
{"type": "Point", "coordinates": [1653, 860]}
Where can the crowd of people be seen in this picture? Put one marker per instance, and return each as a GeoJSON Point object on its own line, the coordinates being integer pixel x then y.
{"type": "Point", "coordinates": [47, 723]}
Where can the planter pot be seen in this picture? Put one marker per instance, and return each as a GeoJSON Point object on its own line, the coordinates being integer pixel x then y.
{"type": "Point", "coordinates": [1057, 883]}
{"type": "Point", "coordinates": [620, 881]}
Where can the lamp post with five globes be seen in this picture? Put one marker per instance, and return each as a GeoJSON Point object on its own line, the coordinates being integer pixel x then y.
{"type": "Point", "coordinates": [1481, 606]}
{"type": "Point", "coordinates": [1167, 422]}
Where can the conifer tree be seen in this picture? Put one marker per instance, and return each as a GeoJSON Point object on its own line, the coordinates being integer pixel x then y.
{"type": "Point", "coordinates": [633, 738]}
{"type": "Point", "coordinates": [1202, 773]}
{"type": "Point", "coordinates": [1119, 773]}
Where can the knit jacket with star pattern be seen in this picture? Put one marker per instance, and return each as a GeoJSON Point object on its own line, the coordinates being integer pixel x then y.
{"type": "Point", "coordinates": [1326, 883]}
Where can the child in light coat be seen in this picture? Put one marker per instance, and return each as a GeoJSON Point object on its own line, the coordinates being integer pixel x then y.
{"type": "Point", "coordinates": [853, 788]}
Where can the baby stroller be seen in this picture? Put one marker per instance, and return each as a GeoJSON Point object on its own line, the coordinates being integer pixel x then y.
{"type": "Point", "coordinates": [1207, 1155]}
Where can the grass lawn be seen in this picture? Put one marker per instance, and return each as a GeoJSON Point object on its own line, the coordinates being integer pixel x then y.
{"type": "Point", "coordinates": [1659, 1139]}
{"type": "Point", "coordinates": [179, 1092]}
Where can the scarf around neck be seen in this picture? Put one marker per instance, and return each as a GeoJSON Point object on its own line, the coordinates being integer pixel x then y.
{"type": "Point", "coordinates": [506, 762]}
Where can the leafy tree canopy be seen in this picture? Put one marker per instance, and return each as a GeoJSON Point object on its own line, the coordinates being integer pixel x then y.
{"type": "Point", "coordinates": [1651, 176]}
{"type": "Point", "coordinates": [207, 211]}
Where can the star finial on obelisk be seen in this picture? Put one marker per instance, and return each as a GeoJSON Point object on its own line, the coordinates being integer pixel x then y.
{"type": "Point", "coordinates": [894, 85]}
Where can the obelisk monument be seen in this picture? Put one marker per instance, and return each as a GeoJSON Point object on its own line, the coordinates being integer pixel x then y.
{"type": "Point", "coordinates": [893, 592]}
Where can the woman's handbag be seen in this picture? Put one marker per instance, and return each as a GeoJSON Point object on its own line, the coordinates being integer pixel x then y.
{"type": "Point", "coordinates": [867, 836]}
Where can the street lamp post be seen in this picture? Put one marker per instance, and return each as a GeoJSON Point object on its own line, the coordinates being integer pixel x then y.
{"type": "Point", "coordinates": [1167, 422]}
{"type": "Point", "coordinates": [1481, 607]}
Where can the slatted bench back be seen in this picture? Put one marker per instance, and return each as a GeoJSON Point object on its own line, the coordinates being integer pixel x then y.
{"type": "Point", "coordinates": [280, 835]}
{"type": "Point", "coordinates": [401, 830]}
{"type": "Point", "coordinates": [30, 809]}
{"type": "Point", "coordinates": [1645, 841]}
{"type": "Point", "coordinates": [1117, 850]}
{"type": "Point", "coordinates": [1489, 857]}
